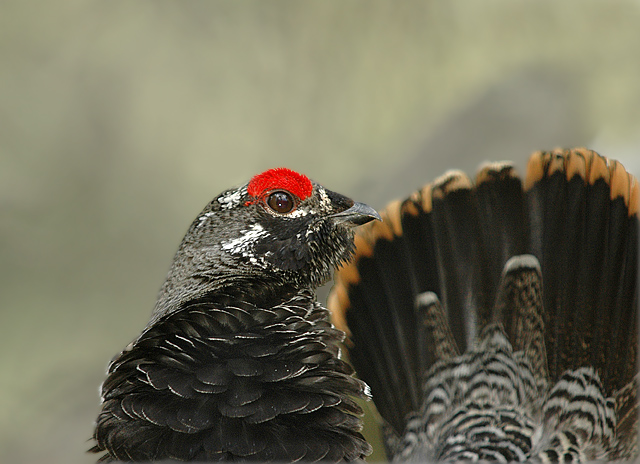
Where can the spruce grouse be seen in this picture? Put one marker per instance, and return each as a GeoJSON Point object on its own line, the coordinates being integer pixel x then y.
{"type": "Point", "coordinates": [499, 322]}
{"type": "Point", "coordinates": [239, 361]}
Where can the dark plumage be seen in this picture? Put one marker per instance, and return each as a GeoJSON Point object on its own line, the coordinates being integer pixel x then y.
{"type": "Point", "coordinates": [239, 361]}
{"type": "Point", "coordinates": [496, 321]}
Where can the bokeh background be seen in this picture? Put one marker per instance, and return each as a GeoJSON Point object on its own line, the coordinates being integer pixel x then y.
{"type": "Point", "coordinates": [120, 120]}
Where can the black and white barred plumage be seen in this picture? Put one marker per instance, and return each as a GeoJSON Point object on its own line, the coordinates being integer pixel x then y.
{"type": "Point", "coordinates": [239, 361]}
{"type": "Point", "coordinates": [498, 322]}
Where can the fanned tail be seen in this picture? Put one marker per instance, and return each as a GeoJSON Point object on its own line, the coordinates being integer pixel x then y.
{"type": "Point", "coordinates": [584, 230]}
{"type": "Point", "coordinates": [554, 262]}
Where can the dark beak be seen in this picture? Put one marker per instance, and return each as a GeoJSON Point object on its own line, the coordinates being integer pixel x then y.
{"type": "Point", "coordinates": [357, 215]}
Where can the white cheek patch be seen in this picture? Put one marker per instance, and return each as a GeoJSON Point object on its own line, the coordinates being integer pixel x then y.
{"type": "Point", "coordinates": [242, 244]}
{"type": "Point", "coordinates": [299, 213]}
{"type": "Point", "coordinates": [232, 199]}
{"type": "Point", "coordinates": [324, 199]}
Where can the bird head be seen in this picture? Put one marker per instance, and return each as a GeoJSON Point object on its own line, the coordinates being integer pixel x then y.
{"type": "Point", "coordinates": [278, 233]}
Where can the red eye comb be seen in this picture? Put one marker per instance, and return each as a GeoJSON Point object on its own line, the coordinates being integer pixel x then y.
{"type": "Point", "coordinates": [280, 179]}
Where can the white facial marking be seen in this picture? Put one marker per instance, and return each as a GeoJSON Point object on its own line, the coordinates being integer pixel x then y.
{"type": "Point", "coordinates": [324, 198]}
{"type": "Point", "coordinates": [232, 199]}
{"type": "Point", "coordinates": [298, 213]}
{"type": "Point", "coordinates": [240, 245]}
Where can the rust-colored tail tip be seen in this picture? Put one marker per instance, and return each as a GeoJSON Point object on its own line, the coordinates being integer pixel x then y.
{"type": "Point", "coordinates": [591, 167]}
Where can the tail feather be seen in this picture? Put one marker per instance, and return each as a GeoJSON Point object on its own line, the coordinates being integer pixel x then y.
{"type": "Point", "coordinates": [502, 215]}
{"type": "Point", "coordinates": [436, 338]}
{"type": "Point", "coordinates": [459, 255]}
{"type": "Point", "coordinates": [584, 232]}
{"type": "Point", "coordinates": [520, 309]}
{"type": "Point", "coordinates": [430, 278]}
{"type": "Point", "coordinates": [440, 240]}
{"type": "Point", "coordinates": [384, 352]}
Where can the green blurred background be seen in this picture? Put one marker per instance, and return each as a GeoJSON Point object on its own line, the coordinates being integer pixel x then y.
{"type": "Point", "coordinates": [120, 120]}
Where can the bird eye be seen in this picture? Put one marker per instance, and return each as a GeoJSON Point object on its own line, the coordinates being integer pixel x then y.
{"type": "Point", "coordinates": [281, 202]}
